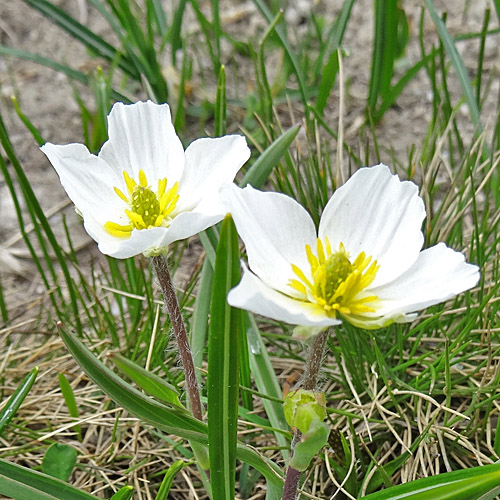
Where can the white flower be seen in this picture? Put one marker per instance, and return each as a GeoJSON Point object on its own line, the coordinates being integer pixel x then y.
{"type": "Point", "coordinates": [143, 191]}
{"type": "Point", "coordinates": [365, 264]}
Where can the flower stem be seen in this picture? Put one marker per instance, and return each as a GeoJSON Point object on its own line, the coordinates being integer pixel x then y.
{"type": "Point", "coordinates": [309, 382]}
{"type": "Point", "coordinates": [291, 484]}
{"type": "Point", "coordinates": [167, 287]}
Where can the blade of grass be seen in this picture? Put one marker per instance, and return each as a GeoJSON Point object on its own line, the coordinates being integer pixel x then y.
{"type": "Point", "coordinates": [124, 493]}
{"type": "Point", "coordinates": [62, 68]}
{"type": "Point", "coordinates": [22, 483]}
{"type": "Point", "coordinates": [261, 169]}
{"type": "Point", "coordinates": [220, 104]}
{"type": "Point", "coordinates": [149, 382]}
{"type": "Point", "coordinates": [266, 95]}
{"type": "Point", "coordinates": [335, 37]}
{"type": "Point", "coordinates": [482, 43]}
{"type": "Point", "coordinates": [260, 4]}
{"type": "Point", "coordinates": [175, 30]}
{"type": "Point", "coordinates": [458, 64]}
{"type": "Point", "coordinates": [39, 219]}
{"type": "Point", "coordinates": [84, 35]}
{"type": "Point", "coordinates": [200, 316]}
{"type": "Point", "coordinates": [3, 306]}
{"type": "Point", "coordinates": [457, 485]}
{"type": "Point", "coordinates": [17, 398]}
{"type": "Point", "coordinates": [216, 35]}
{"type": "Point", "coordinates": [159, 16]}
{"type": "Point", "coordinates": [69, 398]}
{"type": "Point", "coordinates": [168, 479]}
{"type": "Point", "coordinates": [266, 382]}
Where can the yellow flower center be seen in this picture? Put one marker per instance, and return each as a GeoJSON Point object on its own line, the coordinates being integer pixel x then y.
{"type": "Point", "coordinates": [337, 283]}
{"type": "Point", "coordinates": [146, 208]}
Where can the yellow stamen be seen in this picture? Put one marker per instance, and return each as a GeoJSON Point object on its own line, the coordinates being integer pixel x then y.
{"type": "Point", "coordinates": [145, 208]}
{"type": "Point", "coordinates": [119, 230]}
{"type": "Point", "coordinates": [120, 194]}
{"type": "Point", "coordinates": [336, 285]}
{"type": "Point", "coordinates": [129, 182]}
{"type": "Point", "coordinates": [162, 185]}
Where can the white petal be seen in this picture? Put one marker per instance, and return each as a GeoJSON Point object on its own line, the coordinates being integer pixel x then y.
{"type": "Point", "coordinates": [87, 179]}
{"type": "Point", "coordinates": [139, 242]}
{"type": "Point", "coordinates": [210, 164]}
{"type": "Point", "coordinates": [376, 213]}
{"type": "Point", "coordinates": [254, 295]}
{"type": "Point", "coordinates": [141, 136]}
{"type": "Point", "coordinates": [188, 224]}
{"type": "Point", "coordinates": [439, 274]}
{"type": "Point", "coordinates": [275, 230]}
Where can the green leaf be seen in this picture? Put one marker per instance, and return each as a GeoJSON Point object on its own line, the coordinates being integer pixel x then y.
{"type": "Point", "coordinates": [84, 35]}
{"type": "Point", "coordinates": [149, 382]}
{"type": "Point", "coordinates": [220, 104]}
{"type": "Point", "coordinates": [309, 445]}
{"type": "Point", "coordinates": [69, 398]}
{"type": "Point", "coordinates": [458, 64]}
{"type": "Point", "coordinates": [124, 493]}
{"type": "Point", "coordinates": [17, 399]}
{"type": "Point", "coordinates": [59, 461]}
{"type": "Point", "coordinates": [333, 45]}
{"type": "Point", "coordinates": [21, 483]}
{"type": "Point", "coordinates": [223, 369]}
{"type": "Point", "coordinates": [267, 383]}
{"type": "Point", "coordinates": [466, 484]}
{"type": "Point", "coordinates": [168, 479]}
{"type": "Point", "coordinates": [261, 5]}
{"type": "Point", "coordinates": [259, 172]}
{"type": "Point", "coordinates": [168, 418]}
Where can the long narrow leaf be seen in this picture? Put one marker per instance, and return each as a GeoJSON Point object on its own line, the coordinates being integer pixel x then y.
{"type": "Point", "coordinates": [466, 484]}
{"type": "Point", "coordinates": [220, 104]}
{"type": "Point", "coordinates": [17, 398]}
{"type": "Point", "coordinates": [168, 479]}
{"type": "Point", "coordinates": [26, 484]}
{"type": "Point", "coordinates": [149, 382]}
{"type": "Point", "coordinates": [261, 5]}
{"type": "Point", "coordinates": [266, 382]}
{"type": "Point", "coordinates": [458, 64]}
{"type": "Point", "coordinates": [39, 219]}
{"type": "Point", "coordinates": [200, 316]}
{"type": "Point", "coordinates": [62, 68]}
{"type": "Point", "coordinates": [124, 493]}
{"type": "Point", "coordinates": [171, 419]}
{"type": "Point", "coordinates": [223, 369]}
{"type": "Point", "coordinates": [83, 34]}
{"type": "Point", "coordinates": [259, 172]}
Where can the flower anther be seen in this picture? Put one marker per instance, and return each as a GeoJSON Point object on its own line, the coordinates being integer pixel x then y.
{"type": "Point", "coordinates": [336, 283]}
{"type": "Point", "coordinates": [147, 209]}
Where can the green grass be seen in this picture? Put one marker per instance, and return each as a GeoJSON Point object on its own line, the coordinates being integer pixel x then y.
{"type": "Point", "coordinates": [406, 401]}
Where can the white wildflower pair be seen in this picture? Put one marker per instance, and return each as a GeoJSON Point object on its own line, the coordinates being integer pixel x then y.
{"type": "Point", "coordinates": [364, 265]}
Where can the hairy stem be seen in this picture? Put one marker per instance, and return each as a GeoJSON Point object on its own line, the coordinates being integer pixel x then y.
{"type": "Point", "coordinates": [291, 484]}
{"type": "Point", "coordinates": [309, 381]}
{"type": "Point", "coordinates": [167, 287]}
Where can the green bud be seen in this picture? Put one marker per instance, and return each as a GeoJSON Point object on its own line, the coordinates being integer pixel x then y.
{"type": "Point", "coordinates": [302, 407]}
{"type": "Point", "coordinates": [306, 411]}
{"type": "Point", "coordinates": [309, 445]}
